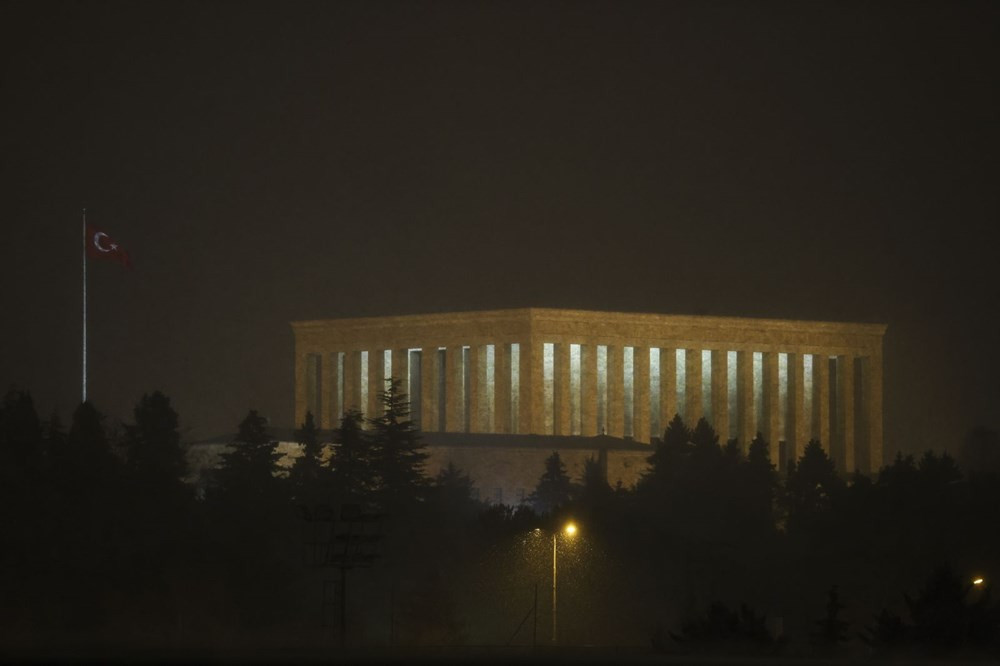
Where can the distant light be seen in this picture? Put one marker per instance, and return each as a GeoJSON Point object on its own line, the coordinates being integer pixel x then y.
{"type": "Point", "coordinates": [977, 581]}
{"type": "Point", "coordinates": [570, 529]}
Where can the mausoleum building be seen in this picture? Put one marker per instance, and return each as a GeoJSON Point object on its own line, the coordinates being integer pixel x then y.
{"type": "Point", "coordinates": [576, 373]}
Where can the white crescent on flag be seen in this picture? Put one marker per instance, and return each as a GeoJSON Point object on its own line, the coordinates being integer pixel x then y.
{"type": "Point", "coordinates": [97, 242]}
{"type": "Point", "coordinates": [102, 246]}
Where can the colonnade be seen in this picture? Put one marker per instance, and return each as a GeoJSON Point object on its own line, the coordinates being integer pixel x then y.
{"type": "Point", "coordinates": [564, 388]}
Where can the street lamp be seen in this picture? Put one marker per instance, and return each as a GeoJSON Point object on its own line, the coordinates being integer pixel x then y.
{"type": "Point", "coordinates": [570, 530]}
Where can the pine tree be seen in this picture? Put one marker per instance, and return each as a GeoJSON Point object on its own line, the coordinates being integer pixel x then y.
{"type": "Point", "coordinates": [554, 488]}
{"type": "Point", "coordinates": [308, 474]}
{"type": "Point", "coordinates": [248, 469]}
{"type": "Point", "coordinates": [153, 444]}
{"type": "Point", "coordinates": [760, 483]}
{"type": "Point", "coordinates": [352, 462]}
{"type": "Point", "coordinates": [705, 450]}
{"type": "Point", "coordinates": [940, 613]}
{"type": "Point", "coordinates": [812, 486]}
{"type": "Point", "coordinates": [759, 453]}
{"type": "Point", "coordinates": [832, 629]}
{"type": "Point", "coordinates": [704, 434]}
{"type": "Point", "coordinates": [20, 440]}
{"type": "Point", "coordinates": [674, 447]}
{"type": "Point", "coordinates": [88, 461]}
{"type": "Point", "coordinates": [399, 455]}
{"type": "Point", "coordinates": [594, 488]}
{"type": "Point", "coordinates": [453, 492]}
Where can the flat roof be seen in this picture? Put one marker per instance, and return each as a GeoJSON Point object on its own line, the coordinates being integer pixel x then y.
{"type": "Point", "coordinates": [556, 314]}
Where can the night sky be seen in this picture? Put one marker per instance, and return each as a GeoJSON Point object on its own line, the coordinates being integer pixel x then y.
{"type": "Point", "coordinates": [268, 162]}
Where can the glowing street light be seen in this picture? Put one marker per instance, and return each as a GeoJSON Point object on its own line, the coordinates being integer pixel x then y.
{"type": "Point", "coordinates": [570, 530]}
{"type": "Point", "coordinates": [977, 581]}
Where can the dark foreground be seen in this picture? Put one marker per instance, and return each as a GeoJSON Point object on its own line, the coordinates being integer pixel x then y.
{"type": "Point", "coordinates": [437, 654]}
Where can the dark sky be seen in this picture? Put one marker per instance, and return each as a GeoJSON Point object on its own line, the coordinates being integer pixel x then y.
{"type": "Point", "coordinates": [266, 162]}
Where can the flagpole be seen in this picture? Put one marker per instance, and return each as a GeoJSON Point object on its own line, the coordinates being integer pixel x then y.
{"type": "Point", "coordinates": [84, 247]}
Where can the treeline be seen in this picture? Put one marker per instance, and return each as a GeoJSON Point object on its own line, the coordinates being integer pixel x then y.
{"type": "Point", "coordinates": [105, 546]}
{"type": "Point", "coordinates": [728, 554]}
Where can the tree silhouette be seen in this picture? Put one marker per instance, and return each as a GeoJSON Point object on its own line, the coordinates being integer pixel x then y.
{"type": "Point", "coordinates": [664, 461]}
{"type": "Point", "coordinates": [811, 487]}
{"type": "Point", "coordinates": [399, 456]}
{"type": "Point", "coordinates": [153, 444]}
{"type": "Point", "coordinates": [21, 441]}
{"type": "Point", "coordinates": [832, 630]}
{"type": "Point", "coordinates": [86, 464]}
{"type": "Point", "coordinates": [554, 487]}
{"type": "Point", "coordinates": [352, 461]}
{"type": "Point", "coordinates": [705, 453]}
{"type": "Point", "coordinates": [888, 635]}
{"type": "Point", "coordinates": [944, 619]}
{"type": "Point", "coordinates": [308, 474]}
{"type": "Point", "coordinates": [248, 469]}
{"type": "Point", "coordinates": [453, 494]}
{"type": "Point", "coordinates": [727, 631]}
{"type": "Point", "coordinates": [759, 483]}
{"type": "Point", "coordinates": [594, 488]}
{"type": "Point", "coordinates": [704, 436]}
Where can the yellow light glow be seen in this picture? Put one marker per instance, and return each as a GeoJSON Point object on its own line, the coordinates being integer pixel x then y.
{"type": "Point", "coordinates": [977, 581]}
{"type": "Point", "coordinates": [570, 529]}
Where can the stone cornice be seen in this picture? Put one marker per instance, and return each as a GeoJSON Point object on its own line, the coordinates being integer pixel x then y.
{"type": "Point", "coordinates": [625, 328]}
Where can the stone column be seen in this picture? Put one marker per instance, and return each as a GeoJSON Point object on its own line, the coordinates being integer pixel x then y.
{"type": "Point", "coordinates": [668, 387]}
{"type": "Point", "coordinates": [588, 390]}
{"type": "Point", "coordinates": [532, 418]}
{"type": "Point", "coordinates": [501, 389]}
{"type": "Point", "coordinates": [401, 370]}
{"type": "Point", "coordinates": [772, 406]}
{"type": "Point", "coordinates": [796, 433]}
{"type": "Point", "coordinates": [454, 411]}
{"type": "Point", "coordinates": [323, 419]}
{"type": "Point", "coordinates": [720, 394]}
{"type": "Point", "coordinates": [376, 382]}
{"type": "Point", "coordinates": [616, 391]}
{"type": "Point", "coordinates": [300, 386]}
{"type": "Point", "coordinates": [746, 413]}
{"type": "Point", "coordinates": [872, 396]}
{"type": "Point", "coordinates": [478, 410]}
{"type": "Point", "coordinates": [640, 395]}
{"type": "Point", "coordinates": [561, 390]}
{"type": "Point", "coordinates": [333, 401]}
{"type": "Point", "coordinates": [845, 412]}
{"type": "Point", "coordinates": [821, 400]}
{"type": "Point", "coordinates": [692, 387]}
{"type": "Point", "coordinates": [428, 389]}
{"type": "Point", "coordinates": [352, 381]}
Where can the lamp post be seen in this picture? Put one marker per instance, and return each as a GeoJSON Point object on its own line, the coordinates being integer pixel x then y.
{"type": "Point", "coordinates": [570, 530]}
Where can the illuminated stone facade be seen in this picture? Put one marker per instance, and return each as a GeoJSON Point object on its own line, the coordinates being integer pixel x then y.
{"type": "Point", "coordinates": [580, 373]}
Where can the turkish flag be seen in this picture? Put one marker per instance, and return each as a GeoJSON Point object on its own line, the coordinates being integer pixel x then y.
{"type": "Point", "coordinates": [102, 246]}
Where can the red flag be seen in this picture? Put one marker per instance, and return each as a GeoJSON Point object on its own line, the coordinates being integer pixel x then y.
{"type": "Point", "coordinates": [101, 246]}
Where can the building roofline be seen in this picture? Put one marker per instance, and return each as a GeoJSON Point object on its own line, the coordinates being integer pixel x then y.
{"type": "Point", "coordinates": [536, 314]}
